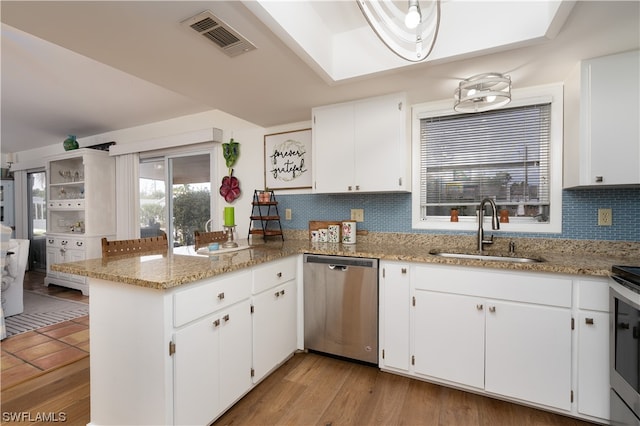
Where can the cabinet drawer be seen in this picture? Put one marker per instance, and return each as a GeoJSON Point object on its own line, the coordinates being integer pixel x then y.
{"type": "Point", "coordinates": [66, 204]}
{"type": "Point", "coordinates": [515, 286]}
{"type": "Point", "coordinates": [63, 242]}
{"type": "Point", "coordinates": [273, 273]}
{"type": "Point", "coordinates": [195, 302]}
{"type": "Point", "coordinates": [593, 295]}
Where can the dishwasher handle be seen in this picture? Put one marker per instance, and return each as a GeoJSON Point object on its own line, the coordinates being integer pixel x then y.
{"type": "Point", "coordinates": [338, 267]}
{"type": "Point", "coordinates": [341, 261]}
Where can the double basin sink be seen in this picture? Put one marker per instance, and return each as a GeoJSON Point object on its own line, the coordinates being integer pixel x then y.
{"type": "Point", "coordinates": [487, 257]}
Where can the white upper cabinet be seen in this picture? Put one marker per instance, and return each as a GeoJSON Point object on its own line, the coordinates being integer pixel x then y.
{"type": "Point", "coordinates": [362, 146]}
{"type": "Point", "coordinates": [606, 149]}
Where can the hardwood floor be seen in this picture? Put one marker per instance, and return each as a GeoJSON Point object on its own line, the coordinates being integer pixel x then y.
{"type": "Point", "coordinates": [309, 389]}
{"type": "Point", "coordinates": [34, 281]}
{"type": "Point", "coordinates": [316, 390]}
{"type": "Point", "coordinates": [59, 396]}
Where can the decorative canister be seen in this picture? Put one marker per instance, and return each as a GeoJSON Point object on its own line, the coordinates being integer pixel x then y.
{"type": "Point", "coordinates": [334, 233]}
{"type": "Point", "coordinates": [264, 197]}
{"type": "Point", "coordinates": [70, 143]}
{"type": "Point", "coordinates": [323, 235]}
{"type": "Point", "coordinates": [348, 232]}
{"type": "Point", "coordinates": [315, 236]}
{"type": "Point", "coordinates": [504, 216]}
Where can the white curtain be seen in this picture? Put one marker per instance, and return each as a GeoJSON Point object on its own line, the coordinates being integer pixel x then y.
{"type": "Point", "coordinates": [127, 191]}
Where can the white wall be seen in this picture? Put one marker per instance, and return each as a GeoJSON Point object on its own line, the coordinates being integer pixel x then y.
{"type": "Point", "coordinates": [249, 169]}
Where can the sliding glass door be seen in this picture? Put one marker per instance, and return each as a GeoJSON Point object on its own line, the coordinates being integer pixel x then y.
{"type": "Point", "coordinates": [175, 196]}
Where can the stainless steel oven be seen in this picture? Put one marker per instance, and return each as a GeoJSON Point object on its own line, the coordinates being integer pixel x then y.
{"type": "Point", "coordinates": [624, 300]}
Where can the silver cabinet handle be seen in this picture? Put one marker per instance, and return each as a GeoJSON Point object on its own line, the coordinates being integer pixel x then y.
{"type": "Point", "coordinates": [588, 321]}
{"type": "Point", "coordinates": [357, 187]}
{"type": "Point", "coordinates": [216, 323]}
{"type": "Point", "coordinates": [350, 188]}
{"type": "Point", "coordinates": [221, 296]}
{"type": "Point", "coordinates": [226, 318]}
{"type": "Point", "coordinates": [492, 308]}
{"type": "Point", "coordinates": [479, 306]}
{"type": "Point", "coordinates": [279, 275]}
{"type": "Point", "coordinates": [599, 179]}
{"type": "Point", "coordinates": [403, 270]}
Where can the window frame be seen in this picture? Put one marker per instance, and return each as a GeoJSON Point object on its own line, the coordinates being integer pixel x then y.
{"type": "Point", "coordinates": [552, 93]}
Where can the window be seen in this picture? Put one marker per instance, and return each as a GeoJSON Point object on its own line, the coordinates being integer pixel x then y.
{"type": "Point", "coordinates": [512, 155]}
{"type": "Point", "coordinates": [175, 195]}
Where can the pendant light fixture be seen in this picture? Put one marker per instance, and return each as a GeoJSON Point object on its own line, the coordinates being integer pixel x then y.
{"type": "Point", "coordinates": [483, 92]}
{"type": "Point", "coordinates": [409, 33]}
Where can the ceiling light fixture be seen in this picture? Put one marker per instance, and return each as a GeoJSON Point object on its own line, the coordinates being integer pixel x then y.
{"type": "Point", "coordinates": [410, 34]}
{"type": "Point", "coordinates": [483, 92]}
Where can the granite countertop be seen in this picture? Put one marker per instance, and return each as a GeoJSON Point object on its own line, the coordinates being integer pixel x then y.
{"type": "Point", "coordinates": [170, 269]}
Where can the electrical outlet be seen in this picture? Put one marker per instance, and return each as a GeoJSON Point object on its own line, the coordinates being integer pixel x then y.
{"type": "Point", "coordinates": [357, 215]}
{"type": "Point", "coordinates": [605, 217]}
{"type": "Point", "coordinates": [287, 214]}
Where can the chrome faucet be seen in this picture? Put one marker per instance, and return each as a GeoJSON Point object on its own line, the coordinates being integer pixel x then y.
{"type": "Point", "coordinates": [495, 223]}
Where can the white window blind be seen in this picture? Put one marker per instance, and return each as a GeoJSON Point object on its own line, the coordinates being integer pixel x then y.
{"type": "Point", "coordinates": [501, 154]}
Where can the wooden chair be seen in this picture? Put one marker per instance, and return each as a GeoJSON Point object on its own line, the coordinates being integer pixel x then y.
{"type": "Point", "coordinates": [135, 246]}
{"type": "Point", "coordinates": [203, 239]}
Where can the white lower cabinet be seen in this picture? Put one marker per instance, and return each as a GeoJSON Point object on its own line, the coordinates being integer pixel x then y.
{"type": "Point", "coordinates": [528, 353]}
{"type": "Point", "coordinates": [394, 295]}
{"type": "Point", "coordinates": [274, 328]}
{"type": "Point", "coordinates": [274, 315]}
{"type": "Point", "coordinates": [212, 369]}
{"type": "Point", "coordinates": [62, 249]}
{"type": "Point", "coordinates": [448, 339]}
{"type": "Point", "coordinates": [185, 355]}
{"type": "Point", "coordinates": [510, 334]}
{"type": "Point", "coordinates": [593, 347]}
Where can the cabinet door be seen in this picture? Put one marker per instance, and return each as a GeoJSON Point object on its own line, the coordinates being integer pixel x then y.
{"type": "Point", "coordinates": [74, 256]}
{"type": "Point", "coordinates": [611, 86]}
{"type": "Point", "coordinates": [593, 364]}
{"type": "Point", "coordinates": [274, 327]}
{"type": "Point", "coordinates": [195, 370]}
{"type": "Point", "coordinates": [380, 145]}
{"type": "Point", "coordinates": [449, 337]}
{"type": "Point", "coordinates": [53, 256]}
{"type": "Point", "coordinates": [394, 331]}
{"type": "Point", "coordinates": [235, 353]}
{"type": "Point", "coordinates": [333, 149]}
{"type": "Point", "coordinates": [528, 353]}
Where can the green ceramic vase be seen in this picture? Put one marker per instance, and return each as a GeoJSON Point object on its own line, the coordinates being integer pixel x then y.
{"type": "Point", "coordinates": [70, 143]}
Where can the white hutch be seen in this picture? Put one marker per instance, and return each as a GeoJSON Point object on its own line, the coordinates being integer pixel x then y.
{"type": "Point", "coordinates": [80, 210]}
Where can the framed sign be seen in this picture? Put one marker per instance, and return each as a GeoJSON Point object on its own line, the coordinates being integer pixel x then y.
{"type": "Point", "coordinates": [287, 160]}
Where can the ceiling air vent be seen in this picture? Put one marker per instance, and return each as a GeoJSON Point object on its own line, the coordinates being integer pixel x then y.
{"type": "Point", "coordinates": [215, 30]}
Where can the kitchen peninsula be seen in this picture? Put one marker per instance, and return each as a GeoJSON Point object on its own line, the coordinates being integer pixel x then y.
{"type": "Point", "coordinates": [175, 339]}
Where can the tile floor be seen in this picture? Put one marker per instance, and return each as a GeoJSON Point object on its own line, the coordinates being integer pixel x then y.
{"type": "Point", "coordinates": [29, 354]}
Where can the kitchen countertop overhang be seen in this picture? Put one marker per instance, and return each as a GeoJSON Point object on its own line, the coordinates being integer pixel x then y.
{"type": "Point", "coordinates": [168, 269]}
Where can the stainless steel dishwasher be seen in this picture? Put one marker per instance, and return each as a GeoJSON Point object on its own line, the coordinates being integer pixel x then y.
{"type": "Point", "coordinates": [341, 306]}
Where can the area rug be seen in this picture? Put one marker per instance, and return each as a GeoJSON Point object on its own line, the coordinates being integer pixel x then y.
{"type": "Point", "coordinates": [42, 310]}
